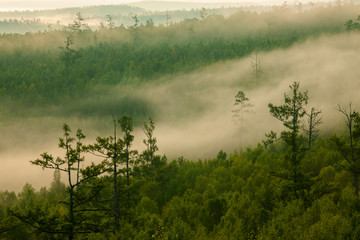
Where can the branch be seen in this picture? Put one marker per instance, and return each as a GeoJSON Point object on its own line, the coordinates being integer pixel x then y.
{"type": "Point", "coordinates": [102, 155]}
{"type": "Point", "coordinates": [271, 138]}
{"type": "Point", "coordinates": [92, 210]}
{"type": "Point", "coordinates": [88, 200]}
{"type": "Point", "coordinates": [31, 222]}
{"type": "Point", "coordinates": [90, 176]}
{"type": "Point", "coordinates": [6, 229]}
{"type": "Point", "coordinates": [339, 144]}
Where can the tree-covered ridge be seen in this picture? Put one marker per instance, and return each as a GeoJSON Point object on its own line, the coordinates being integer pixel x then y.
{"type": "Point", "coordinates": [293, 186]}
{"type": "Point", "coordinates": [97, 17]}
{"type": "Point", "coordinates": [158, 13]}
{"type": "Point", "coordinates": [286, 190]}
{"type": "Point", "coordinates": [32, 69]}
{"type": "Point", "coordinates": [235, 197]}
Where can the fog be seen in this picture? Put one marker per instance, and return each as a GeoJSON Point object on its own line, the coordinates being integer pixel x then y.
{"type": "Point", "coordinates": [197, 107]}
{"type": "Point", "coordinates": [193, 115]}
{"type": "Point", "coordinates": [22, 5]}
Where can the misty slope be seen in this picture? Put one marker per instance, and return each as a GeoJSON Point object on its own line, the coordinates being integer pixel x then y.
{"type": "Point", "coordinates": [185, 77]}
{"type": "Point", "coordinates": [192, 103]}
{"type": "Point", "coordinates": [193, 110]}
{"type": "Point", "coordinates": [227, 197]}
{"type": "Point", "coordinates": [237, 197]}
{"type": "Point", "coordinates": [137, 55]}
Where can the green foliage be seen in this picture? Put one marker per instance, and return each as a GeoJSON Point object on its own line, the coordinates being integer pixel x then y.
{"type": "Point", "coordinates": [33, 67]}
{"type": "Point", "coordinates": [291, 114]}
{"type": "Point", "coordinates": [82, 189]}
{"type": "Point", "coordinates": [278, 192]}
{"type": "Point", "coordinates": [353, 25]}
{"type": "Point", "coordinates": [349, 146]}
{"type": "Point", "coordinates": [148, 158]}
{"type": "Point", "coordinates": [207, 199]}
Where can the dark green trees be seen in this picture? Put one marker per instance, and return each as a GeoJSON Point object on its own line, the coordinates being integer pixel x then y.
{"type": "Point", "coordinates": [151, 147]}
{"type": "Point", "coordinates": [350, 146]}
{"type": "Point", "coordinates": [291, 114]}
{"type": "Point", "coordinates": [313, 122]}
{"type": "Point", "coordinates": [68, 56]}
{"type": "Point", "coordinates": [116, 151]}
{"type": "Point", "coordinates": [110, 149]}
{"type": "Point", "coordinates": [70, 164]}
{"type": "Point", "coordinates": [127, 155]}
{"type": "Point", "coordinates": [194, 199]}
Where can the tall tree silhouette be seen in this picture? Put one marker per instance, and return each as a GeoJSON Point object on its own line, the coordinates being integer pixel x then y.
{"type": "Point", "coordinates": [70, 165]}
{"type": "Point", "coordinates": [350, 146]}
{"type": "Point", "coordinates": [291, 114]}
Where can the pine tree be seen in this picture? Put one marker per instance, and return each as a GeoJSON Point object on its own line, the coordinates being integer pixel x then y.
{"type": "Point", "coordinates": [70, 164]}
{"type": "Point", "coordinates": [291, 114]}
{"type": "Point", "coordinates": [151, 147]}
{"type": "Point", "coordinates": [350, 146]}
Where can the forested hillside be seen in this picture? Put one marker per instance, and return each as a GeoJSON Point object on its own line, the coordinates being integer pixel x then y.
{"type": "Point", "coordinates": [96, 17]}
{"type": "Point", "coordinates": [287, 75]}
{"type": "Point", "coordinates": [259, 193]}
{"type": "Point", "coordinates": [33, 69]}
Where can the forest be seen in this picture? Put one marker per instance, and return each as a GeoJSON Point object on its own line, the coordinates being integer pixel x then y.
{"type": "Point", "coordinates": [238, 127]}
{"type": "Point", "coordinates": [22, 22]}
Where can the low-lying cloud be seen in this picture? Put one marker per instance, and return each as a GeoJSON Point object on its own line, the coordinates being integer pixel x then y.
{"type": "Point", "coordinates": [193, 115]}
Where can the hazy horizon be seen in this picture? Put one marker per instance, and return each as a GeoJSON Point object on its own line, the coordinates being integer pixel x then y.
{"type": "Point", "coordinates": [30, 5]}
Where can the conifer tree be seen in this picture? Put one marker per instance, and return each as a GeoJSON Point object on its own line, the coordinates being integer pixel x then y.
{"type": "Point", "coordinates": [68, 56]}
{"type": "Point", "coordinates": [241, 107]}
{"type": "Point", "coordinates": [350, 146]}
{"type": "Point", "coordinates": [110, 148]}
{"type": "Point", "coordinates": [127, 155]}
{"type": "Point", "coordinates": [291, 114]}
{"type": "Point", "coordinates": [313, 121]}
{"type": "Point", "coordinates": [151, 147]}
{"type": "Point", "coordinates": [70, 164]}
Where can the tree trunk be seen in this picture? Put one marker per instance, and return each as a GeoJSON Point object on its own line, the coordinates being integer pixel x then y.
{"type": "Point", "coordinates": [78, 172]}
{"type": "Point", "coordinates": [71, 212]}
{"type": "Point", "coordinates": [71, 203]}
{"type": "Point", "coordinates": [152, 165]}
{"type": "Point", "coordinates": [311, 127]}
{"type": "Point", "coordinates": [356, 183]}
{"type": "Point", "coordinates": [127, 176]}
{"type": "Point", "coordinates": [116, 221]}
{"type": "Point", "coordinates": [115, 199]}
